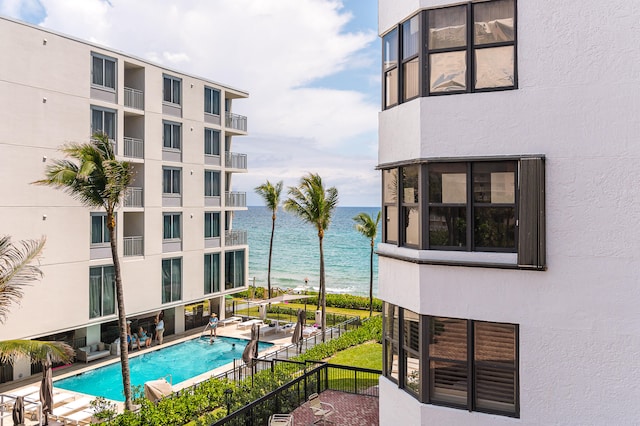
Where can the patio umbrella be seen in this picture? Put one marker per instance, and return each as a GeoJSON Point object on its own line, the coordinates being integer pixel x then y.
{"type": "Point", "coordinates": [46, 390]}
{"type": "Point", "coordinates": [251, 350]}
{"type": "Point", "coordinates": [18, 411]}
{"type": "Point", "coordinates": [296, 339]}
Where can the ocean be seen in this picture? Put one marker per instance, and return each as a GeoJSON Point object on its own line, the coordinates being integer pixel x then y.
{"type": "Point", "coordinates": [296, 251]}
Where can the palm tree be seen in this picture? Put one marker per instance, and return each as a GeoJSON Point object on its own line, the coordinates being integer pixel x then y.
{"type": "Point", "coordinates": [271, 196]}
{"type": "Point", "coordinates": [310, 202]}
{"type": "Point", "coordinates": [16, 272]}
{"type": "Point", "coordinates": [97, 180]}
{"type": "Point", "coordinates": [368, 227]}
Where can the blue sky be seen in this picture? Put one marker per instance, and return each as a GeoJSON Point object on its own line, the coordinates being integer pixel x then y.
{"type": "Point", "coordinates": [312, 68]}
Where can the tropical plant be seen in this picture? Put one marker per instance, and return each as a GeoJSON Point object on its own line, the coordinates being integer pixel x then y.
{"type": "Point", "coordinates": [17, 271]}
{"type": "Point", "coordinates": [271, 195]}
{"type": "Point", "coordinates": [314, 205]}
{"type": "Point", "coordinates": [368, 227]}
{"type": "Point", "coordinates": [97, 179]}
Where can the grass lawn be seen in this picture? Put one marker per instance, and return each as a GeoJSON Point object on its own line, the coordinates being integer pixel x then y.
{"type": "Point", "coordinates": [367, 355]}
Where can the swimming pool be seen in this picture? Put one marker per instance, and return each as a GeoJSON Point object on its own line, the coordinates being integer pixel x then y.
{"type": "Point", "coordinates": [182, 361]}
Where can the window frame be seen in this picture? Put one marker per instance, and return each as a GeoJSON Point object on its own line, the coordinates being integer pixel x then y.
{"type": "Point", "coordinates": [230, 266]}
{"type": "Point", "coordinates": [172, 171]}
{"type": "Point", "coordinates": [104, 237]}
{"type": "Point", "coordinates": [104, 59]}
{"type": "Point", "coordinates": [212, 229]}
{"type": "Point", "coordinates": [113, 309]}
{"type": "Point", "coordinates": [103, 111]}
{"type": "Point", "coordinates": [210, 175]}
{"type": "Point", "coordinates": [171, 284]}
{"type": "Point", "coordinates": [172, 145]}
{"type": "Point", "coordinates": [175, 226]}
{"type": "Point", "coordinates": [212, 281]}
{"type": "Point", "coordinates": [214, 140]}
{"type": "Point", "coordinates": [210, 97]}
{"type": "Point", "coordinates": [169, 98]}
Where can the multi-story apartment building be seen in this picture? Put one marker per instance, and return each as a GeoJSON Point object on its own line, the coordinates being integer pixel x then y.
{"type": "Point", "coordinates": [508, 145]}
{"type": "Point", "coordinates": [179, 252]}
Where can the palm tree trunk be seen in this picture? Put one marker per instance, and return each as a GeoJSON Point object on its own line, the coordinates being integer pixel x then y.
{"type": "Point", "coordinates": [371, 281]}
{"type": "Point", "coordinates": [273, 228]}
{"type": "Point", "coordinates": [122, 316]}
{"type": "Point", "coordinates": [323, 291]}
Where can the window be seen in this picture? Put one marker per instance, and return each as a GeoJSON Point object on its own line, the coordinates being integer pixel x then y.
{"type": "Point", "coordinates": [171, 135]}
{"type": "Point", "coordinates": [448, 54]}
{"type": "Point", "coordinates": [211, 142]}
{"type": "Point", "coordinates": [171, 280]}
{"type": "Point", "coordinates": [211, 183]}
{"type": "Point", "coordinates": [234, 269]}
{"type": "Point", "coordinates": [99, 230]}
{"type": "Point", "coordinates": [211, 273]}
{"type": "Point", "coordinates": [170, 180]}
{"type": "Point", "coordinates": [211, 101]}
{"type": "Point", "coordinates": [103, 121]}
{"type": "Point", "coordinates": [171, 226]}
{"type": "Point", "coordinates": [492, 205]}
{"type": "Point", "coordinates": [171, 92]}
{"type": "Point", "coordinates": [103, 71]}
{"type": "Point", "coordinates": [211, 224]}
{"type": "Point", "coordinates": [101, 291]}
{"type": "Point", "coordinates": [454, 362]}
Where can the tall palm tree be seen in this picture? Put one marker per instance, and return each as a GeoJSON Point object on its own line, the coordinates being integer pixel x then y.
{"type": "Point", "coordinates": [315, 205]}
{"type": "Point", "coordinates": [368, 227]}
{"type": "Point", "coordinates": [98, 179]}
{"type": "Point", "coordinates": [271, 196]}
{"type": "Point", "coordinates": [17, 271]}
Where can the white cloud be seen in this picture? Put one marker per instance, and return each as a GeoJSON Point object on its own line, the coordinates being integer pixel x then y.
{"type": "Point", "coordinates": [272, 48]}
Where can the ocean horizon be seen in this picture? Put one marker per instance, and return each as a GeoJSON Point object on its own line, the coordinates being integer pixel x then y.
{"type": "Point", "coordinates": [296, 251]}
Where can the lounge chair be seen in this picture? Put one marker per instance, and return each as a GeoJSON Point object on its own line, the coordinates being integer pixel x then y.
{"type": "Point", "coordinates": [321, 410]}
{"type": "Point", "coordinates": [73, 406]}
{"type": "Point", "coordinates": [249, 323]}
{"type": "Point", "coordinates": [83, 417]}
{"type": "Point", "coordinates": [224, 322]}
{"type": "Point", "coordinates": [281, 420]}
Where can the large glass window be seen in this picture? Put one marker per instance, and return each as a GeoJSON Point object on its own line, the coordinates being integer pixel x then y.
{"type": "Point", "coordinates": [99, 230]}
{"type": "Point", "coordinates": [211, 183]}
{"type": "Point", "coordinates": [103, 71]}
{"type": "Point", "coordinates": [101, 291]}
{"type": "Point", "coordinates": [172, 88]}
{"type": "Point", "coordinates": [410, 209]}
{"type": "Point", "coordinates": [170, 180]}
{"type": "Point", "coordinates": [171, 135]}
{"type": "Point", "coordinates": [171, 280]}
{"type": "Point", "coordinates": [211, 142]}
{"type": "Point", "coordinates": [211, 224]}
{"type": "Point", "coordinates": [391, 329]}
{"type": "Point", "coordinates": [211, 101]}
{"type": "Point", "coordinates": [494, 40]}
{"type": "Point", "coordinates": [390, 68]}
{"type": "Point", "coordinates": [390, 205]}
{"type": "Point", "coordinates": [211, 273]}
{"type": "Point", "coordinates": [103, 121]}
{"type": "Point", "coordinates": [234, 269]}
{"type": "Point", "coordinates": [411, 362]}
{"type": "Point", "coordinates": [171, 229]}
{"type": "Point", "coordinates": [410, 60]}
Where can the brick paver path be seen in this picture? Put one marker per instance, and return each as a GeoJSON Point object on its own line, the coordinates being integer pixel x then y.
{"type": "Point", "coordinates": [350, 410]}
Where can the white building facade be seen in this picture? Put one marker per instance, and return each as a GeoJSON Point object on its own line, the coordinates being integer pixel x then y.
{"type": "Point", "coordinates": [179, 252]}
{"type": "Point", "coordinates": [509, 262]}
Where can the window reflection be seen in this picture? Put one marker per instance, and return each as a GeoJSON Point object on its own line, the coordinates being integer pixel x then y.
{"type": "Point", "coordinates": [448, 27]}
{"type": "Point", "coordinates": [448, 71]}
{"type": "Point", "coordinates": [495, 67]}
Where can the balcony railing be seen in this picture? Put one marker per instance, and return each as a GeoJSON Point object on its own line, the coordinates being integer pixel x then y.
{"type": "Point", "coordinates": [133, 148]}
{"type": "Point", "coordinates": [133, 246]}
{"type": "Point", "coordinates": [235, 237]}
{"type": "Point", "coordinates": [236, 199]}
{"type": "Point", "coordinates": [133, 197]}
{"type": "Point", "coordinates": [235, 121]}
{"type": "Point", "coordinates": [236, 161]}
{"type": "Point", "coordinates": [133, 98]}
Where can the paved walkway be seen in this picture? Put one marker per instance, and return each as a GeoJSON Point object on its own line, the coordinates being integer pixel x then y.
{"type": "Point", "coordinates": [350, 410]}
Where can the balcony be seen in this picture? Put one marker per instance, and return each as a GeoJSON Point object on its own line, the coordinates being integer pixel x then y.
{"type": "Point", "coordinates": [235, 199]}
{"type": "Point", "coordinates": [235, 121]}
{"type": "Point", "coordinates": [133, 98]}
{"type": "Point", "coordinates": [235, 161]}
{"type": "Point", "coordinates": [133, 246]}
{"type": "Point", "coordinates": [133, 148]}
{"type": "Point", "coordinates": [133, 197]}
{"type": "Point", "coordinates": [235, 237]}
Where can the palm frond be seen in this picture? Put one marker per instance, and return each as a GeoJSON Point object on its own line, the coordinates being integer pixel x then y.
{"type": "Point", "coordinates": [366, 225]}
{"type": "Point", "coordinates": [311, 202]}
{"type": "Point", "coordinates": [270, 194]}
{"type": "Point", "coordinates": [35, 350]}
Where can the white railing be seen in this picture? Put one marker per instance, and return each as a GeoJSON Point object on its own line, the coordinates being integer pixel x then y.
{"type": "Point", "coordinates": [236, 199]}
{"type": "Point", "coordinates": [235, 237]}
{"type": "Point", "coordinates": [236, 161]}
{"type": "Point", "coordinates": [235, 121]}
{"type": "Point", "coordinates": [133, 197]}
{"type": "Point", "coordinates": [133, 98]}
{"type": "Point", "coordinates": [133, 246]}
{"type": "Point", "coordinates": [133, 148]}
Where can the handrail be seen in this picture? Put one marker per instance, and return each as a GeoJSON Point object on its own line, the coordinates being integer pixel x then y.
{"type": "Point", "coordinates": [133, 98]}
{"type": "Point", "coordinates": [236, 121]}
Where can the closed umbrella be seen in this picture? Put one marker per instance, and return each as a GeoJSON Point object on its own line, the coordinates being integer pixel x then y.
{"type": "Point", "coordinates": [251, 350]}
{"type": "Point", "coordinates": [296, 339]}
{"type": "Point", "coordinates": [18, 411]}
{"type": "Point", "coordinates": [46, 390]}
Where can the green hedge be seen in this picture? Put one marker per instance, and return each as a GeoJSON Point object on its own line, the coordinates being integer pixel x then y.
{"type": "Point", "coordinates": [347, 301]}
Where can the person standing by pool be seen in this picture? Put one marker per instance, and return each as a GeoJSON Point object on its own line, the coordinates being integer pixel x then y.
{"type": "Point", "coordinates": [213, 327]}
{"type": "Point", "coordinates": [159, 329]}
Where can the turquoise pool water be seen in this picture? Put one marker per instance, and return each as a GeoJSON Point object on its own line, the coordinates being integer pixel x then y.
{"type": "Point", "coordinates": [182, 361]}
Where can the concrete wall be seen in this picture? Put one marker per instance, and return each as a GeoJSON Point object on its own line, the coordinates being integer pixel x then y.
{"type": "Point", "coordinates": [577, 104]}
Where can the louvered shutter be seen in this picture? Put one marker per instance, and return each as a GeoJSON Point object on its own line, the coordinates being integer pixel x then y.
{"type": "Point", "coordinates": [531, 212]}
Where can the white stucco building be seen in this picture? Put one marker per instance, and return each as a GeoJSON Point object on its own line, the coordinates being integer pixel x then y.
{"type": "Point", "coordinates": [509, 149]}
{"type": "Point", "coordinates": [179, 252]}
